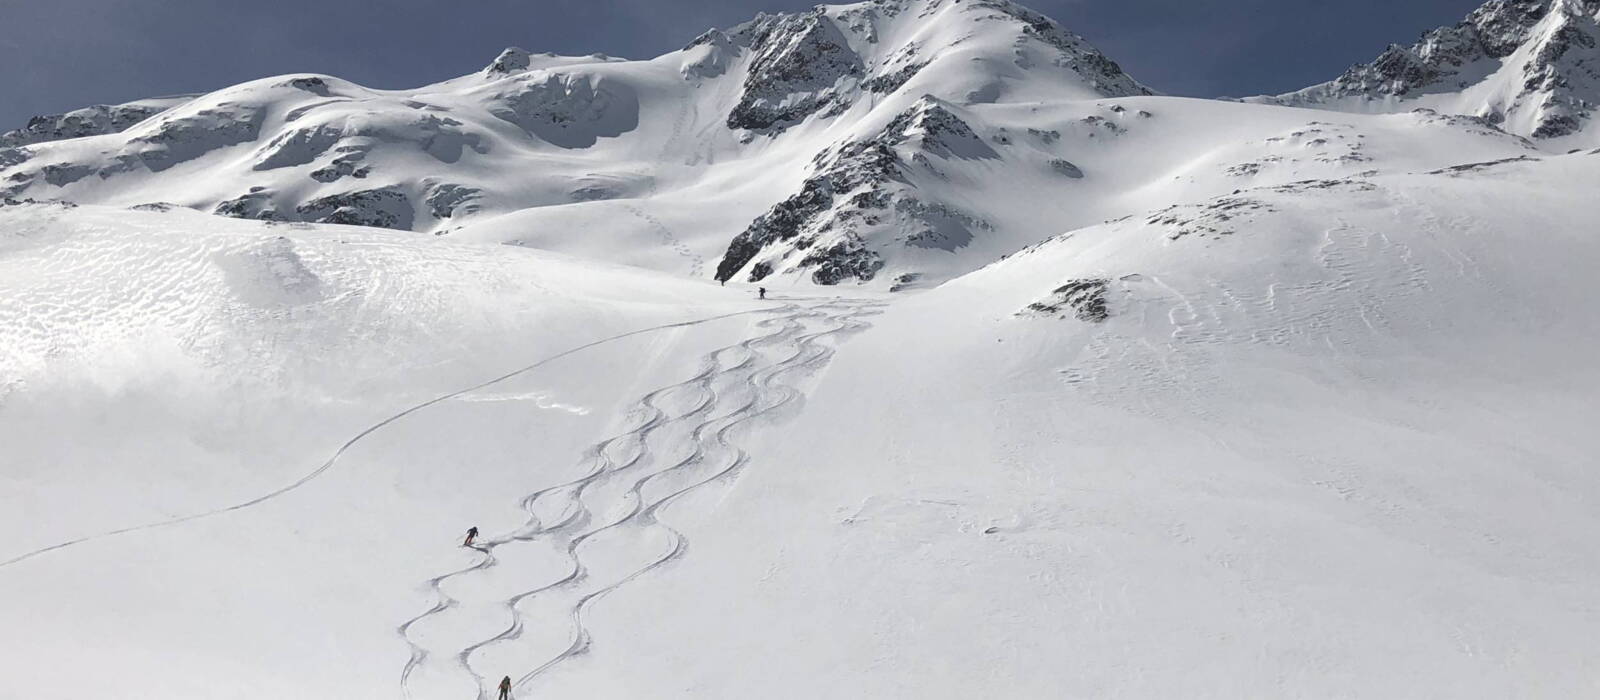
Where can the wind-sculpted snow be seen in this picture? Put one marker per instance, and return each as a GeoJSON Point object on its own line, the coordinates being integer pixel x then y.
{"type": "Point", "coordinates": [570, 110]}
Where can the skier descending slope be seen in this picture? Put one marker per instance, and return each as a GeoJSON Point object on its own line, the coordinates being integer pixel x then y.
{"type": "Point", "coordinates": [505, 688]}
{"type": "Point", "coordinates": [472, 534]}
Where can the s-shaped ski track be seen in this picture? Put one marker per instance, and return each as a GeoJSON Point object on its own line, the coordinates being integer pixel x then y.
{"type": "Point", "coordinates": [623, 497]}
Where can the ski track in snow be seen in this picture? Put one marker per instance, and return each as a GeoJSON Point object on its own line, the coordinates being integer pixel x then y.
{"type": "Point", "coordinates": [670, 239]}
{"type": "Point", "coordinates": [334, 459]}
{"type": "Point", "coordinates": [711, 422]}
{"type": "Point", "coordinates": [696, 262]}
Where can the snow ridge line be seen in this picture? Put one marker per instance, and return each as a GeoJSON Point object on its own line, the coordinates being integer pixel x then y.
{"type": "Point", "coordinates": [710, 434]}
{"type": "Point", "coordinates": [325, 466]}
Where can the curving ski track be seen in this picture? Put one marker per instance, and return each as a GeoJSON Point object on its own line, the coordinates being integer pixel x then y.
{"type": "Point", "coordinates": [334, 458]}
{"type": "Point", "coordinates": [710, 437]}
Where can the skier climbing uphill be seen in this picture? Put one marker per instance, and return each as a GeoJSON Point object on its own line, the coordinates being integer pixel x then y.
{"type": "Point", "coordinates": [505, 688]}
{"type": "Point", "coordinates": [472, 534]}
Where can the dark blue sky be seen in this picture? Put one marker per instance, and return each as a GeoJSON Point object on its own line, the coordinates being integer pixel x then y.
{"type": "Point", "coordinates": [62, 54]}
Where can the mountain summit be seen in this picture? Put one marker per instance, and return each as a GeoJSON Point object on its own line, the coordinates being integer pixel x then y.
{"type": "Point", "coordinates": [892, 143]}
{"type": "Point", "coordinates": [1530, 66]}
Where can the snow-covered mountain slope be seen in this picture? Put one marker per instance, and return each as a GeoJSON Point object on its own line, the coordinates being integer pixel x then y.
{"type": "Point", "coordinates": [895, 142]}
{"type": "Point", "coordinates": [89, 121]}
{"type": "Point", "coordinates": [1531, 67]}
{"type": "Point", "coordinates": [107, 305]}
{"type": "Point", "coordinates": [1183, 398]}
{"type": "Point", "coordinates": [541, 131]}
{"type": "Point", "coordinates": [1328, 438]}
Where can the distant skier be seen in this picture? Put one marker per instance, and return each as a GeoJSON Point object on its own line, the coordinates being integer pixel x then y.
{"type": "Point", "coordinates": [505, 688]}
{"type": "Point", "coordinates": [762, 291]}
{"type": "Point", "coordinates": [472, 535]}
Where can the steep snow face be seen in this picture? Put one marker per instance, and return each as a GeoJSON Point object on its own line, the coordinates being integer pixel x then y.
{"type": "Point", "coordinates": [1530, 66]}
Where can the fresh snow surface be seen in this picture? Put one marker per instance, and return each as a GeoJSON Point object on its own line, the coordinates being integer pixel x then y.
{"type": "Point", "coordinates": [1114, 394]}
{"type": "Point", "coordinates": [1331, 440]}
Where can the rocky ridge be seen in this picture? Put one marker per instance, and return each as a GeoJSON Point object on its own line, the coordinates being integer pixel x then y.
{"type": "Point", "coordinates": [1530, 66]}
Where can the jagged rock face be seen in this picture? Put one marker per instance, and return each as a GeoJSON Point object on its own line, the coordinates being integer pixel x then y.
{"type": "Point", "coordinates": [14, 156]}
{"type": "Point", "coordinates": [384, 208]}
{"type": "Point", "coordinates": [799, 61]}
{"type": "Point", "coordinates": [803, 64]}
{"type": "Point", "coordinates": [89, 121]}
{"type": "Point", "coordinates": [860, 201]}
{"type": "Point", "coordinates": [888, 82]}
{"type": "Point", "coordinates": [1492, 31]}
{"type": "Point", "coordinates": [446, 200]}
{"type": "Point", "coordinates": [509, 61]}
{"type": "Point", "coordinates": [1083, 298]}
{"type": "Point", "coordinates": [255, 204]}
{"type": "Point", "coordinates": [1542, 58]}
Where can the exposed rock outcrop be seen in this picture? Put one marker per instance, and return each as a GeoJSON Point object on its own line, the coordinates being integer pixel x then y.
{"type": "Point", "coordinates": [858, 202]}
{"type": "Point", "coordinates": [89, 121]}
{"type": "Point", "coordinates": [1532, 67]}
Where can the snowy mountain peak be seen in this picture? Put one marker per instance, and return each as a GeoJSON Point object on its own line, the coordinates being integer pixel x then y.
{"type": "Point", "coordinates": [816, 62]}
{"type": "Point", "coordinates": [798, 62]}
{"type": "Point", "coordinates": [1532, 66]}
{"type": "Point", "coordinates": [872, 143]}
{"type": "Point", "coordinates": [511, 60]}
